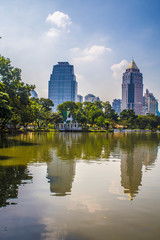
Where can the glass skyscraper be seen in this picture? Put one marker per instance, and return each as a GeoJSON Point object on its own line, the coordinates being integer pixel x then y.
{"type": "Point", "coordinates": [62, 84]}
{"type": "Point", "coordinates": [132, 89]}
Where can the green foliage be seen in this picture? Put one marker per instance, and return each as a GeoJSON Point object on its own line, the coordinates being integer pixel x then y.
{"type": "Point", "coordinates": [148, 122]}
{"type": "Point", "coordinates": [67, 106]}
{"type": "Point", "coordinates": [128, 118]}
{"type": "Point", "coordinates": [18, 93]}
{"type": "Point", "coordinates": [99, 121]}
{"type": "Point", "coordinates": [109, 111]}
{"type": "Point", "coordinates": [5, 109]}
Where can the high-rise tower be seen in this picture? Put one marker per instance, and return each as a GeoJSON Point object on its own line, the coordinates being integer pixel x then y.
{"type": "Point", "coordinates": [62, 84]}
{"type": "Point", "coordinates": [132, 89]}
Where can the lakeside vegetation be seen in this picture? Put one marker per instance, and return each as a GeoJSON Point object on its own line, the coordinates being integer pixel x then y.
{"type": "Point", "coordinates": [18, 109]}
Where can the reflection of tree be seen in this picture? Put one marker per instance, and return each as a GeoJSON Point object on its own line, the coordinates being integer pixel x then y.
{"type": "Point", "coordinates": [136, 150]}
{"type": "Point", "coordinates": [11, 177]}
{"type": "Point", "coordinates": [88, 146]}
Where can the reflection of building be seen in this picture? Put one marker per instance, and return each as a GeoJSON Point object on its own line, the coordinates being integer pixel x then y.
{"type": "Point", "coordinates": [132, 89]}
{"type": "Point", "coordinates": [79, 98]}
{"type": "Point", "coordinates": [150, 103]}
{"type": "Point", "coordinates": [116, 105]}
{"type": "Point", "coordinates": [131, 167]}
{"type": "Point", "coordinates": [60, 174]}
{"type": "Point", "coordinates": [131, 172]}
{"type": "Point", "coordinates": [149, 155]}
{"type": "Point", "coordinates": [91, 98]}
{"type": "Point", "coordinates": [62, 84]}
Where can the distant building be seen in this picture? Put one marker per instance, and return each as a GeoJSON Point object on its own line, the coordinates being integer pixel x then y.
{"type": "Point", "coordinates": [116, 105]}
{"type": "Point", "coordinates": [150, 103]}
{"type": "Point", "coordinates": [132, 89]}
{"type": "Point", "coordinates": [91, 98]}
{"type": "Point", "coordinates": [62, 84]}
{"type": "Point", "coordinates": [34, 94]}
{"type": "Point", "coordinates": [79, 98]}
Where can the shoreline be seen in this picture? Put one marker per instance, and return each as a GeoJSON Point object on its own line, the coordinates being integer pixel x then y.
{"type": "Point", "coordinates": [85, 130]}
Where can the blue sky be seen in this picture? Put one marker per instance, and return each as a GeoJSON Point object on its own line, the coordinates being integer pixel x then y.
{"type": "Point", "coordinates": [98, 37]}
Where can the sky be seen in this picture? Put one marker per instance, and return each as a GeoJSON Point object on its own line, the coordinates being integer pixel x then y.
{"type": "Point", "coordinates": [98, 37]}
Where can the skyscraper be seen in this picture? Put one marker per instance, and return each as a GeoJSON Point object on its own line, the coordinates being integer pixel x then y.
{"type": "Point", "coordinates": [132, 89]}
{"type": "Point", "coordinates": [116, 105]}
{"type": "Point", "coordinates": [150, 103]}
{"type": "Point", "coordinates": [62, 84]}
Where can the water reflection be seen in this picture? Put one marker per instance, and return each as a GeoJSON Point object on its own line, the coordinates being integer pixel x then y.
{"type": "Point", "coordinates": [96, 170]}
{"type": "Point", "coordinates": [61, 151]}
{"type": "Point", "coordinates": [11, 177]}
{"type": "Point", "coordinates": [136, 150]}
{"type": "Point", "coordinates": [60, 174]}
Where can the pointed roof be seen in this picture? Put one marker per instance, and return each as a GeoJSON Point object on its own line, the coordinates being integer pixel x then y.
{"type": "Point", "coordinates": [132, 65]}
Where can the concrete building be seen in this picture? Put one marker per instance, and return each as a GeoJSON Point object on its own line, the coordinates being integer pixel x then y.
{"type": "Point", "coordinates": [79, 98]}
{"type": "Point", "coordinates": [91, 98]}
{"type": "Point", "coordinates": [150, 103]}
{"type": "Point", "coordinates": [62, 84]}
{"type": "Point", "coordinates": [132, 89]}
{"type": "Point", "coordinates": [116, 105]}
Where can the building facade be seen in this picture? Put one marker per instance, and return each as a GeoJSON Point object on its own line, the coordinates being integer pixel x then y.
{"type": "Point", "coordinates": [34, 94]}
{"type": "Point", "coordinates": [150, 103]}
{"type": "Point", "coordinates": [79, 98]}
{"type": "Point", "coordinates": [132, 89]}
{"type": "Point", "coordinates": [62, 85]}
{"type": "Point", "coordinates": [91, 98]}
{"type": "Point", "coordinates": [116, 105]}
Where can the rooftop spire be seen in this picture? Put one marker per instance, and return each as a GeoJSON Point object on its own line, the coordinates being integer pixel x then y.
{"type": "Point", "coordinates": [132, 65]}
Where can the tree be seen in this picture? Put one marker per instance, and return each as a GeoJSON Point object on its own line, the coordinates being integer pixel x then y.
{"type": "Point", "coordinates": [41, 110]}
{"type": "Point", "coordinates": [46, 104]}
{"type": "Point", "coordinates": [149, 121]}
{"type": "Point", "coordinates": [128, 118]}
{"type": "Point", "coordinates": [18, 92]}
{"type": "Point", "coordinates": [109, 111]}
{"type": "Point", "coordinates": [5, 109]}
{"type": "Point", "coordinates": [99, 121]}
{"type": "Point", "coordinates": [80, 116]}
{"type": "Point", "coordinates": [67, 106]}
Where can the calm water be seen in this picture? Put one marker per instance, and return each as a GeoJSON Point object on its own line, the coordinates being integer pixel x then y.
{"type": "Point", "coordinates": [77, 186]}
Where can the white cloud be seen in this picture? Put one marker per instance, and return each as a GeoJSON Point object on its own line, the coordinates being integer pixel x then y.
{"type": "Point", "coordinates": [59, 19]}
{"type": "Point", "coordinates": [53, 32]}
{"type": "Point", "coordinates": [89, 54]}
{"type": "Point", "coordinates": [119, 68]}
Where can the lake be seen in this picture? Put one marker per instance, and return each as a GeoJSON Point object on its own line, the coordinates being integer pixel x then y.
{"type": "Point", "coordinates": [80, 186]}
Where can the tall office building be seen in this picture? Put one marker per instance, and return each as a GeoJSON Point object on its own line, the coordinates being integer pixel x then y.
{"type": "Point", "coordinates": [116, 105]}
{"type": "Point", "coordinates": [132, 89]}
{"type": "Point", "coordinates": [150, 103]}
{"type": "Point", "coordinates": [62, 84]}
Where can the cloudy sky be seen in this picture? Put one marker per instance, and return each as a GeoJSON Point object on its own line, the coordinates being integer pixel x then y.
{"type": "Point", "coordinates": [99, 37]}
